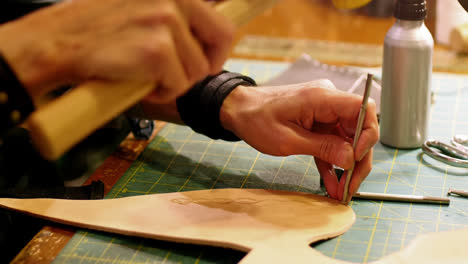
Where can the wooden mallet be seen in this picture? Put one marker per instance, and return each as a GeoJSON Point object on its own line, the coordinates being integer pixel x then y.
{"type": "Point", "coordinates": [62, 123]}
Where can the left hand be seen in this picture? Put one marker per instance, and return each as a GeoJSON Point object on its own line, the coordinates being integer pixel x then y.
{"type": "Point", "coordinates": [310, 118]}
{"type": "Point", "coordinates": [173, 43]}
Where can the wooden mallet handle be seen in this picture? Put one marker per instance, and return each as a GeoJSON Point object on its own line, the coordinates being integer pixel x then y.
{"type": "Point", "coordinates": [62, 123]}
{"type": "Point", "coordinates": [459, 38]}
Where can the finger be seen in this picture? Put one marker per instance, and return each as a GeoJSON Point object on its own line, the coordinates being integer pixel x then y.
{"type": "Point", "coordinates": [360, 172]}
{"type": "Point", "coordinates": [340, 107]}
{"type": "Point", "coordinates": [173, 81]}
{"type": "Point", "coordinates": [329, 177]}
{"type": "Point", "coordinates": [327, 147]}
{"type": "Point", "coordinates": [341, 185]}
{"type": "Point", "coordinates": [190, 52]}
{"type": "Point", "coordinates": [370, 132]}
{"type": "Point", "coordinates": [213, 30]}
{"type": "Point", "coordinates": [334, 129]}
{"type": "Point", "coordinates": [344, 108]}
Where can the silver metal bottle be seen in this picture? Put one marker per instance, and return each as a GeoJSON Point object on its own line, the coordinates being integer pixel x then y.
{"type": "Point", "coordinates": [406, 78]}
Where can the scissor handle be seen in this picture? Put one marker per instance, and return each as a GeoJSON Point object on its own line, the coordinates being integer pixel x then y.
{"type": "Point", "coordinates": [461, 142]}
{"type": "Point", "coordinates": [457, 158]}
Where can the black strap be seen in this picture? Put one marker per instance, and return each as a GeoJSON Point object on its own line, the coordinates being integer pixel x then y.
{"type": "Point", "coordinates": [93, 191]}
{"type": "Point", "coordinates": [200, 107]}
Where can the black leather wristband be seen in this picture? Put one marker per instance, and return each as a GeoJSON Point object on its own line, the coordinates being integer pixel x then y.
{"type": "Point", "coordinates": [200, 107]}
{"type": "Point", "coordinates": [15, 102]}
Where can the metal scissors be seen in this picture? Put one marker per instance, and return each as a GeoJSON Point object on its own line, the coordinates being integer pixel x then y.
{"type": "Point", "coordinates": [455, 154]}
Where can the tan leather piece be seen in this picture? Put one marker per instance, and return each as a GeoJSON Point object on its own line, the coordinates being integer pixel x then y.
{"type": "Point", "coordinates": [433, 248]}
{"type": "Point", "coordinates": [273, 226]}
{"type": "Point", "coordinates": [260, 221]}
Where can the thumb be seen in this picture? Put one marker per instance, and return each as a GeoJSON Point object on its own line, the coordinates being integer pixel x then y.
{"type": "Point", "coordinates": [330, 148]}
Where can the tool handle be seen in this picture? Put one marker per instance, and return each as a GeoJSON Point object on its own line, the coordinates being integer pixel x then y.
{"type": "Point", "coordinates": [458, 192]}
{"type": "Point", "coordinates": [59, 125]}
{"type": "Point", "coordinates": [459, 38]}
{"type": "Point", "coordinates": [402, 198]}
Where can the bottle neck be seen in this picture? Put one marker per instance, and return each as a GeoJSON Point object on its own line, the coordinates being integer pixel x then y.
{"type": "Point", "coordinates": [409, 23]}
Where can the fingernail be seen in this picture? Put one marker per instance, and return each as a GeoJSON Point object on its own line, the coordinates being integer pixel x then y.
{"type": "Point", "coordinates": [339, 173]}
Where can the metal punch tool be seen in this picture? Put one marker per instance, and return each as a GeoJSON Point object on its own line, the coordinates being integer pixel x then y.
{"type": "Point", "coordinates": [454, 155]}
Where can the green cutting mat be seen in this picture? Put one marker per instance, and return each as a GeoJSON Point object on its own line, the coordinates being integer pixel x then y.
{"type": "Point", "coordinates": [180, 160]}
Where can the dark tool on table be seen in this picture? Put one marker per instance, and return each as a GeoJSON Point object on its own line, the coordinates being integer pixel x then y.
{"type": "Point", "coordinates": [93, 191]}
{"type": "Point", "coordinates": [141, 128]}
{"type": "Point", "coordinates": [454, 155]}
{"type": "Point", "coordinates": [458, 192]}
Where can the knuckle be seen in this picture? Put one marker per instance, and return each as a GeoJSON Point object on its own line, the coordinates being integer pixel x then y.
{"type": "Point", "coordinates": [158, 48]}
{"type": "Point", "coordinates": [326, 148]}
{"type": "Point", "coordinates": [153, 55]}
{"type": "Point", "coordinates": [196, 69]}
{"type": "Point", "coordinates": [307, 92]}
{"type": "Point", "coordinates": [326, 83]}
{"type": "Point", "coordinates": [375, 133]}
{"type": "Point", "coordinates": [371, 135]}
{"type": "Point", "coordinates": [228, 33]}
{"type": "Point", "coordinates": [367, 170]}
{"type": "Point", "coordinates": [202, 69]}
{"type": "Point", "coordinates": [167, 14]}
{"type": "Point", "coordinates": [284, 149]}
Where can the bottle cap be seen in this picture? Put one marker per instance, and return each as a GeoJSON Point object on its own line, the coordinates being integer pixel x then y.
{"type": "Point", "coordinates": [410, 9]}
{"type": "Point", "coordinates": [464, 3]}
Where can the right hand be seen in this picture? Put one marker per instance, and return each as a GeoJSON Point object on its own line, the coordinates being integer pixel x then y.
{"type": "Point", "coordinates": [172, 43]}
{"type": "Point", "coordinates": [311, 118]}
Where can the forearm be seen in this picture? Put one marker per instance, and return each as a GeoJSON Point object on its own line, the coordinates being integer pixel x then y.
{"type": "Point", "coordinates": [209, 107]}
{"type": "Point", "coordinates": [240, 102]}
{"type": "Point", "coordinates": [156, 111]}
{"type": "Point", "coordinates": [168, 112]}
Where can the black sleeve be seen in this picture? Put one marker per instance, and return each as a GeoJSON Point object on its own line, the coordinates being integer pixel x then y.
{"type": "Point", "coordinates": [199, 107]}
{"type": "Point", "coordinates": [13, 9]}
{"type": "Point", "coordinates": [15, 102]}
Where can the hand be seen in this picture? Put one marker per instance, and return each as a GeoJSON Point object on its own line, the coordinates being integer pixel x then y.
{"type": "Point", "coordinates": [310, 118]}
{"type": "Point", "coordinates": [170, 42]}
